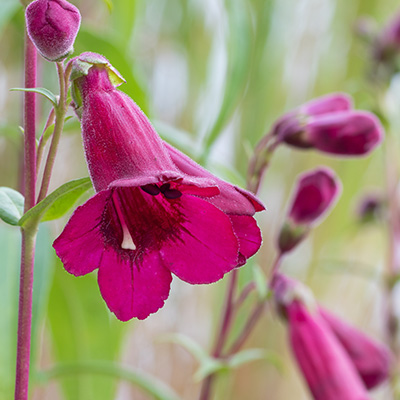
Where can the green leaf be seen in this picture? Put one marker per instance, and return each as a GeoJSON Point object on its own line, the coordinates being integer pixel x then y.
{"type": "Point", "coordinates": [11, 205]}
{"type": "Point", "coordinates": [149, 384]}
{"type": "Point", "coordinates": [56, 204]}
{"type": "Point", "coordinates": [43, 91]}
{"type": "Point", "coordinates": [250, 355]}
{"type": "Point", "coordinates": [208, 364]}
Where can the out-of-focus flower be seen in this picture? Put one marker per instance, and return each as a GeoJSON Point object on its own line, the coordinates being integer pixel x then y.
{"type": "Point", "coordinates": [387, 43]}
{"type": "Point", "coordinates": [314, 194]}
{"type": "Point", "coordinates": [329, 124]}
{"type": "Point", "coordinates": [371, 359]}
{"type": "Point", "coordinates": [371, 208]}
{"type": "Point", "coordinates": [152, 215]}
{"type": "Point", "coordinates": [334, 365]}
{"type": "Point", "coordinates": [52, 26]}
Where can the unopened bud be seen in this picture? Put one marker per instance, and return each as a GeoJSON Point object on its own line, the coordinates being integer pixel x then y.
{"type": "Point", "coordinates": [52, 26]}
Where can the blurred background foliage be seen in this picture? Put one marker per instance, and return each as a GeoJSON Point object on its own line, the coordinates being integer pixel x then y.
{"type": "Point", "coordinates": [212, 75]}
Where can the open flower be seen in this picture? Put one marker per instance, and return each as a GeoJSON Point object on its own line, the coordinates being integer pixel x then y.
{"type": "Point", "coordinates": [155, 211]}
{"type": "Point", "coordinates": [52, 26]}
{"type": "Point", "coordinates": [330, 125]}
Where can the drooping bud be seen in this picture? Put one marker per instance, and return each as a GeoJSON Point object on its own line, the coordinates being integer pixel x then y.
{"type": "Point", "coordinates": [349, 133]}
{"type": "Point", "coordinates": [313, 196]}
{"type": "Point", "coordinates": [52, 26]}
{"type": "Point", "coordinates": [371, 359]}
{"type": "Point", "coordinates": [329, 124]}
{"type": "Point", "coordinates": [326, 366]}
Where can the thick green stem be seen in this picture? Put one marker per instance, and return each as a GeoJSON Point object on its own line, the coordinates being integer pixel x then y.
{"type": "Point", "coordinates": [60, 111]}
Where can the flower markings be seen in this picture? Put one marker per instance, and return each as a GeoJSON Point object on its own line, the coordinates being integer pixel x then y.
{"type": "Point", "coordinates": [52, 26]}
{"type": "Point", "coordinates": [330, 125]}
{"type": "Point", "coordinates": [337, 360]}
{"type": "Point", "coordinates": [315, 193]}
{"type": "Point", "coordinates": [156, 212]}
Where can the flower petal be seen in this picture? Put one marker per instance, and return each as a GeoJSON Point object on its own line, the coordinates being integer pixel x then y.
{"type": "Point", "coordinates": [81, 244]}
{"type": "Point", "coordinates": [231, 200]}
{"type": "Point", "coordinates": [206, 247]}
{"type": "Point", "coordinates": [248, 234]}
{"type": "Point", "coordinates": [133, 287]}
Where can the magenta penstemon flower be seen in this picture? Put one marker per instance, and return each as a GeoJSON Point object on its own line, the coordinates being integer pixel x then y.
{"type": "Point", "coordinates": [156, 212]}
{"type": "Point", "coordinates": [330, 125]}
{"type": "Point", "coordinates": [371, 358]}
{"type": "Point", "coordinates": [337, 360]}
{"type": "Point", "coordinates": [52, 26]}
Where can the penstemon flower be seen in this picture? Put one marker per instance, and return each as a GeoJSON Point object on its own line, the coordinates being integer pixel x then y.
{"type": "Point", "coordinates": [371, 359]}
{"type": "Point", "coordinates": [156, 212]}
{"type": "Point", "coordinates": [329, 124]}
{"type": "Point", "coordinates": [337, 360]}
{"type": "Point", "coordinates": [52, 26]}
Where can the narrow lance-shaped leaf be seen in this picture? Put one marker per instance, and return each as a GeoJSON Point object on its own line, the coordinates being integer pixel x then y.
{"type": "Point", "coordinates": [43, 91]}
{"type": "Point", "coordinates": [11, 205]}
{"type": "Point", "coordinates": [56, 204]}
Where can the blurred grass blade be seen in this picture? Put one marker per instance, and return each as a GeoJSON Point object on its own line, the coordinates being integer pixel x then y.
{"type": "Point", "coordinates": [239, 53]}
{"type": "Point", "coordinates": [149, 384]}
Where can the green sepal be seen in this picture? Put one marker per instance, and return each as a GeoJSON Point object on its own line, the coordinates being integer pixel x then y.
{"type": "Point", "coordinates": [81, 66]}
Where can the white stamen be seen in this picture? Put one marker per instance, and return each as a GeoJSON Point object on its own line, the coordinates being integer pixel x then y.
{"type": "Point", "coordinates": [127, 241]}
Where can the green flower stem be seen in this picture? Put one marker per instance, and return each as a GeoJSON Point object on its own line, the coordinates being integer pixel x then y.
{"type": "Point", "coordinates": [60, 112]}
{"type": "Point", "coordinates": [157, 389]}
{"type": "Point", "coordinates": [260, 161]}
{"type": "Point", "coordinates": [43, 139]}
{"type": "Point", "coordinates": [248, 328]}
{"type": "Point", "coordinates": [28, 235]}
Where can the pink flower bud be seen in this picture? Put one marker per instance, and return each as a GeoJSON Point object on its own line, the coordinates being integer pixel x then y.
{"type": "Point", "coordinates": [329, 103]}
{"type": "Point", "coordinates": [327, 368]}
{"type": "Point", "coordinates": [52, 26]}
{"type": "Point", "coordinates": [371, 359]}
{"type": "Point", "coordinates": [324, 362]}
{"type": "Point", "coordinates": [315, 192]}
{"type": "Point", "coordinates": [330, 125]}
{"type": "Point", "coordinates": [348, 133]}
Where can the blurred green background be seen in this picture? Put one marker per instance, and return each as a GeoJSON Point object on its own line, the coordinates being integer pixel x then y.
{"type": "Point", "coordinates": [212, 75]}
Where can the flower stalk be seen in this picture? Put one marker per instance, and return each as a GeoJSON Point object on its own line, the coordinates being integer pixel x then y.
{"type": "Point", "coordinates": [28, 235]}
{"type": "Point", "coordinates": [60, 111]}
